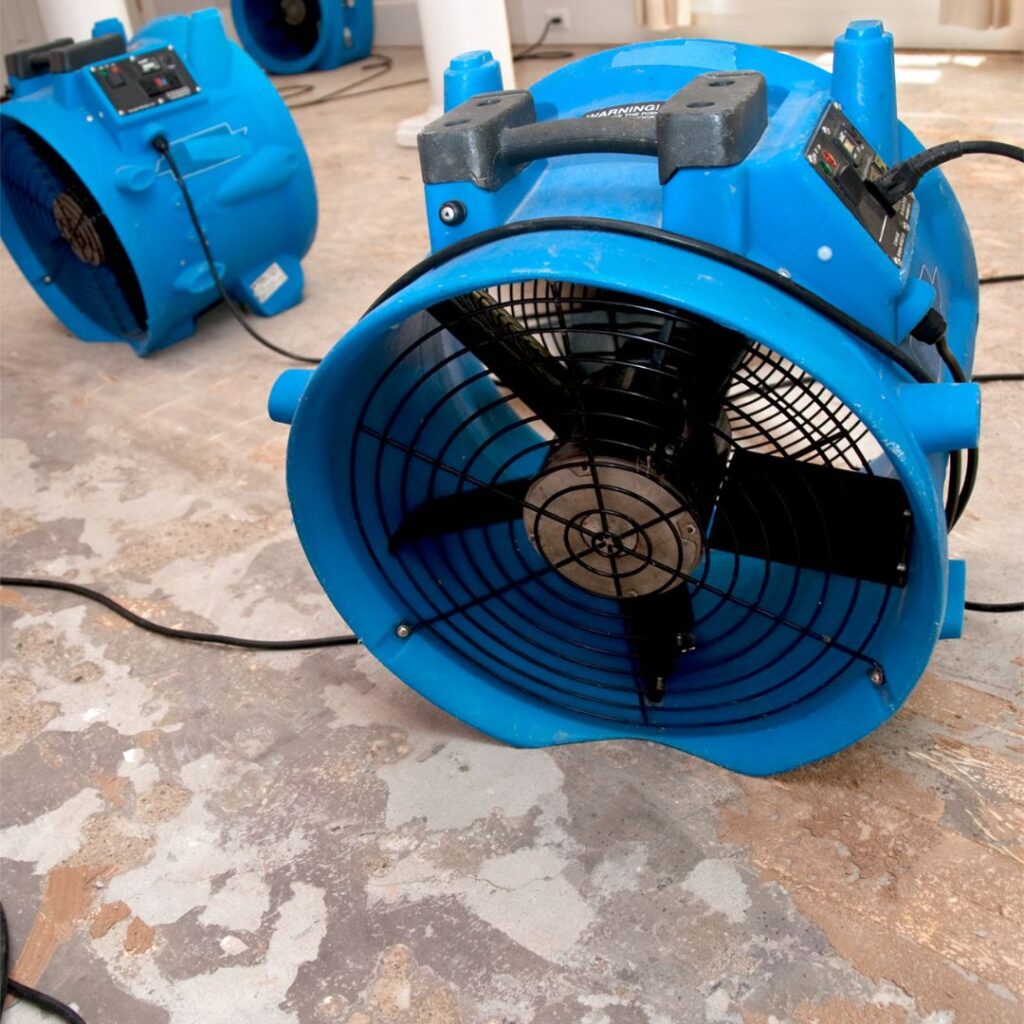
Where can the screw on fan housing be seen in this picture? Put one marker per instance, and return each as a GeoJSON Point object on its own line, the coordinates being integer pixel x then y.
{"type": "Point", "coordinates": [452, 212]}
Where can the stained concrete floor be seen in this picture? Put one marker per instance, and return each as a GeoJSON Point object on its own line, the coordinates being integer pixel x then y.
{"type": "Point", "coordinates": [201, 834]}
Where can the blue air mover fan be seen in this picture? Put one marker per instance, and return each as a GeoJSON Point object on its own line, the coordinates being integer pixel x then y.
{"type": "Point", "coordinates": [94, 217]}
{"type": "Point", "coordinates": [291, 36]}
{"type": "Point", "coordinates": [640, 450]}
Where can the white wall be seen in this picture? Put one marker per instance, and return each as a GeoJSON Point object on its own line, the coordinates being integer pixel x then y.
{"type": "Point", "coordinates": [915, 23]}
{"type": "Point", "coordinates": [149, 9]}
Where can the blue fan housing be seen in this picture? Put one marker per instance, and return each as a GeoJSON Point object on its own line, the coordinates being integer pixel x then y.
{"type": "Point", "coordinates": [288, 37]}
{"type": "Point", "coordinates": [92, 214]}
{"type": "Point", "coordinates": [806, 618]}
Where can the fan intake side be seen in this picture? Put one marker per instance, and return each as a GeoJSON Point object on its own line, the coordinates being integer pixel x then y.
{"type": "Point", "coordinates": [69, 234]}
{"type": "Point", "coordinates": [625, 510]}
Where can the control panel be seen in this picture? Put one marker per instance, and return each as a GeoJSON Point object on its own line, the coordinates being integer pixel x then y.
{"type": "Point", "coordinates": [848, 164]}
{"type": "Point", "coordinates": [134, 83]}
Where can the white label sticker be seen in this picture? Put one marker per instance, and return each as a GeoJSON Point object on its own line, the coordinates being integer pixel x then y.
{"type": "Point", "coordinates": [268, 282]}
{"type": "Point", "coordinates": [648, 109]}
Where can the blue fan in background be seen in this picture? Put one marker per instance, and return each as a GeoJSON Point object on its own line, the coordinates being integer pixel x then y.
{"type": "Point", "coordinates": [91, 209]}
{"type": "Point", "coordinates": [291, 36]}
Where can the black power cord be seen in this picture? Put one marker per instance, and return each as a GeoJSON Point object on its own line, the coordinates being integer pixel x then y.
{"type": "Point", "coordinates": [891, 187]}
{"type": "Point", "coordinates": [992, 378]}
{"type": "Point", "coordinates": [985, 606]}
{"type": "Point", "coordinates": [931, 330]}
{"type": "Point", "coordinates": [173, 633]}
{"type": "Point", "coordinates": [8, 986]}
{"type": "Point", "coordinates": [378, 65]}
{"type": "Point", "coordinates": [534, 51]}
{"type": "Point", "coordinates": [649, 232]}
{"type": "Point", "coordinates": [902, 179]}
{"type": "Point", "coordinates": [959, 493]}
{"type": "Point", "coordinates": [602, 224]}
{"type": "Point", "coordinates": [163, 147]}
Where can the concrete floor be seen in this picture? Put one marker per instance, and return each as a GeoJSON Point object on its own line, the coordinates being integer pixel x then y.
{"type": "Point", "coordinates": [197, 834]}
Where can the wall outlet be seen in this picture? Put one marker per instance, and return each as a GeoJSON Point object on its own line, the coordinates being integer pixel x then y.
{"type": "Point", "coordinates": [557, 12]}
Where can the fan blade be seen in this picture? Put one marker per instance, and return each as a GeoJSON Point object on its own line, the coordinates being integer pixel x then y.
{"type": "Point", "coordinates": [522, 363]}
{"type": "Point", "coordinates": [462, 511]}
{"type": "Point", "coordinates": [813, 517]}
{"type": "Point", "coordinates": [658, 627]}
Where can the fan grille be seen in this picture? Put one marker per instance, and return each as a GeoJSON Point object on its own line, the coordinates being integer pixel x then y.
{"type": "Point", "coordinates": [285, 29]}
{"type": "Point", "coordinates": [766, 636]}
{"type": "Point", "coordinates": [69, 234]}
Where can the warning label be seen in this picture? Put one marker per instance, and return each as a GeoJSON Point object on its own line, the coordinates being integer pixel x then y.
{"type": "Point", "coordinates": [268, 282]}
{"type": "Point", "coordinates": [628, 110]}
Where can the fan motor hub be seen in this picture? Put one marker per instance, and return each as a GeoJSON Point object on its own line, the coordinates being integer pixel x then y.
{"type": "Point", "coordinates": [610, 525]}
{"type": "Point", "coordinates": [294, 12]}
{"type": "Point", "coordinates": [77, 229]}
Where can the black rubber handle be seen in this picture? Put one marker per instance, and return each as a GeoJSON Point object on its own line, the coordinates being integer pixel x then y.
{"type": "Point", "coordinates": [578, 135]}
{"type": "Point", "coordinates": [713, 121]}
{"type": "Point", "coordinates": [34, 60]}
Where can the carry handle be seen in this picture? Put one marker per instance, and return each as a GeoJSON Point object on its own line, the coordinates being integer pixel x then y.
{"type": "Point", "coordinates": [714, 121]}
{"type": "Point", "coordinates": [545, 139]}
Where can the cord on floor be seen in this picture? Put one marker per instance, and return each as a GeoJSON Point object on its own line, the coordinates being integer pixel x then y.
{"type": "Point", "coordinates": [1001, 279]}
{"type": "Point", "coordinates": [172, 632]}
{"type": "Point", "coordinates": [992, 378]}
{"type": "Point", "coordinates": [378, 65]}
{"type": "Point", "coordinates": [8, 986]}
{"type": "Point", "coordinates": [985, 606]}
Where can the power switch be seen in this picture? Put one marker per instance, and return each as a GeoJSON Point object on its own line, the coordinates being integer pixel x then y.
{"type": "Point", "coordinates": [155, 85]}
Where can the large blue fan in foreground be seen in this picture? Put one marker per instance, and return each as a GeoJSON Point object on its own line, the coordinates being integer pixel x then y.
{"type": "Point", "coordinates": [644, 448]}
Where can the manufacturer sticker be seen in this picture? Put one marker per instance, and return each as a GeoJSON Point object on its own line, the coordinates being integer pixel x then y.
{"type": "Point", "coordinates": [268, 282]}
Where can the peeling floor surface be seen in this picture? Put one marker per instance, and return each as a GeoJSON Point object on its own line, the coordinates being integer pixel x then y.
{"type": "Point", "coordinates": [202, 834]}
